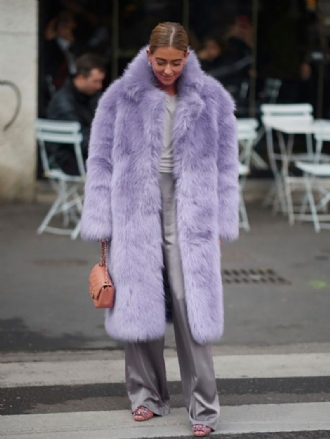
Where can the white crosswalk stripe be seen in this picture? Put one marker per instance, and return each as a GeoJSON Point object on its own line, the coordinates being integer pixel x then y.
{"type": "Point", "coordinates": [234, 420]}
{"type": "Point", "coordinates": [92, 423]}
{"type": "Point", "coordinates": [104, 371]}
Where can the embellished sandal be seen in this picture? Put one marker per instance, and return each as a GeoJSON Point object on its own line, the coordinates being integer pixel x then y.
{"type": "Point", "coordinates": [201, 430]}
{"type": "Point", "coordinates": [142, 414]}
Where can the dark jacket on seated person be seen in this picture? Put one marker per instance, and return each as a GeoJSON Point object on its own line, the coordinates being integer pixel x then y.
{"type": "Point", "coordinates": [70, 104]}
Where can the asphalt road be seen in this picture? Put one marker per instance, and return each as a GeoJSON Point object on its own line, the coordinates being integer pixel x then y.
{"type": "Point", "coordinates": [62, 378]}
{"type": "Point", "coordinates": [45, 303]}
{"type": "Point", "coordinates": [74, 394]}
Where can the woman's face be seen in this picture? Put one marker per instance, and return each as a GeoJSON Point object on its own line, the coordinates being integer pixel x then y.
{"type": "Point", "coordinates": [167, 64]}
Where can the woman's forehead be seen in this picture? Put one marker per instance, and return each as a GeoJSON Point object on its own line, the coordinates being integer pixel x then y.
{"type": "Point", "coordinates": [168, 53]}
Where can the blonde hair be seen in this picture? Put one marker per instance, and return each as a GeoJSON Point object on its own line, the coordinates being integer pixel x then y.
{"type": "Point", "coordinates": [168, 34]}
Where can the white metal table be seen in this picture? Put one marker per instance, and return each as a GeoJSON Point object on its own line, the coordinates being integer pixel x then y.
{"type": "Point", "coordinates": [304, 126]}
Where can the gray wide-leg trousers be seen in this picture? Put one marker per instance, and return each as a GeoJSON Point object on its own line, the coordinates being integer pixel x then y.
{"type": "Point", "coordinates": [145, 366]}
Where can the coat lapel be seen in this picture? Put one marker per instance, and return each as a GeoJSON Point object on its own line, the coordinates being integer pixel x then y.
{"type": "Point", "coordinates": [152, 108]}
{"type": "Point", "coordinates": [190, 107]}
{"type": "Point", "coordinates": [141, 87]}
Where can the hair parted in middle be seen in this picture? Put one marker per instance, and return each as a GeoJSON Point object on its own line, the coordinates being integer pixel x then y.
{"type": "Point", "coordinates": [169, 34]}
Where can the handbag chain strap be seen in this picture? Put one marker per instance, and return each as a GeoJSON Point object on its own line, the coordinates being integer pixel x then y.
{"type": "Point", "coordinates": [103, 262]}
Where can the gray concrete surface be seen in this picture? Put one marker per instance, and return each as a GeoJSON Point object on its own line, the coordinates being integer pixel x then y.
{"type": "Point", "coordinates": [97, 371]}
{"type": "Point", "coordinates": [45, 304]}
{"type": "Point", "coordinates": [61, 373]}
{"type": "Point", "coordinates": [119, 423]}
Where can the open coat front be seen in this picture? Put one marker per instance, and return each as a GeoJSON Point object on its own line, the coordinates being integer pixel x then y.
{"type": "Point", "coordinates": [123, 201]}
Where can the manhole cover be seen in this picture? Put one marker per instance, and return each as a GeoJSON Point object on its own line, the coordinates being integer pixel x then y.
{"type": "Point", "coordinates": [253, 276]}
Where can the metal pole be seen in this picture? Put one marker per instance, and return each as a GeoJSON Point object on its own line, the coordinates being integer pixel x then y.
{"type": "Point", "coordinates": [321, 68]}
{"type": "Point", "coordinates": [185, 18]}
{"type": "Point", "coordinates": [320, 90]}
{"type": "Point", "coordinates": [115, 39]}
{"type": "Point", "coordinates": [253, 79]}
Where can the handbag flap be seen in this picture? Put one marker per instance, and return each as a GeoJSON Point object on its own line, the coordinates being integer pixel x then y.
{"type": "Point", "coordinates": [98, 279]}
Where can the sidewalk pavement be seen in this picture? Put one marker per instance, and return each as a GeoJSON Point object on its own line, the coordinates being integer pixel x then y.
{"type": "Point", "coordinates": [277, 286]}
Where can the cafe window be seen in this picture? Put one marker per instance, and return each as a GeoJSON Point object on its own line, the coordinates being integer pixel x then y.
{"type": "Point", "coordinates": [261, 51]}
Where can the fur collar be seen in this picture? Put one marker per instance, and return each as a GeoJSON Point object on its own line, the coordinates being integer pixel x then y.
{"type": "Point", "coordinates": [139, 78]}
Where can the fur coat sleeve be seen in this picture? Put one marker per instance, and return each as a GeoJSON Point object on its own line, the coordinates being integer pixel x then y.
{"type": "Point", "coordinates": [228, 178]}
{"type": "Point", "coordinates": [96, 216]}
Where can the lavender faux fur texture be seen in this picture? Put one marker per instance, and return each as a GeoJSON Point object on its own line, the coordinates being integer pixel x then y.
{"type": "Point", "coordinates": [123, 201]}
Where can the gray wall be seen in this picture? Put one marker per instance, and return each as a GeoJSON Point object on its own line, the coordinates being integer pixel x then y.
{"type": "Point", "coordinates": [18, 63]}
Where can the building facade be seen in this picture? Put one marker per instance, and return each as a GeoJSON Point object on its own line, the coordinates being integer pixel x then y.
{"type": "Point", "coordinates": [18, 65]}
{"type": "Point", "coordinates": [117, 29]}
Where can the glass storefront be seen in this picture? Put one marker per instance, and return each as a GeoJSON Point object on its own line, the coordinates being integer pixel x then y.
{"type": "Point", "coordinates": [261, 50]}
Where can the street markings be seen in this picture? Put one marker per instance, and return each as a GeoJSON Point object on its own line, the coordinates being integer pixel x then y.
{"type": "Point", "coordinates": [118, 424]}
{"type": "Point", "coordinates": [106, 371]}
{"type": "Point", "coordinates": [86, 399]}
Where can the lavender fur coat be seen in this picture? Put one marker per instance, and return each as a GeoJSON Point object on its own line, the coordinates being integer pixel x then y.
{"type": "Point", "coordinates": [123, 200]}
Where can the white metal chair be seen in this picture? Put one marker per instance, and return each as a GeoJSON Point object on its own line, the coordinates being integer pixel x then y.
{"type": "Point", "coordinates": [286, 115]}
{"type": "Point", "coordinates": [246, 135]}
{"type": "Point", "coordinates": [317, 179]}
{"type": "Point", "coordinates": [244, 223]}
{"type": "Point", "coordinates": [68, 188]}
{"type": "Point", "coordinates": [321, 133]}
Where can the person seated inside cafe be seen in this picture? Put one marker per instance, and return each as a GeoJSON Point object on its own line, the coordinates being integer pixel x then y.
{"type": "Point", "coordinates": [76, 101]}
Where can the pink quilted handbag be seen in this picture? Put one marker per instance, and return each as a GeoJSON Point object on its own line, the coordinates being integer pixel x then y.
{"type": "Point", "coordinates": [101, 288]}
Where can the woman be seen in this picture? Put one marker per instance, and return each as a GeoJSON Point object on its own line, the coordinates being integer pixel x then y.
{"type": "Point", "coordinates": [162, 185]}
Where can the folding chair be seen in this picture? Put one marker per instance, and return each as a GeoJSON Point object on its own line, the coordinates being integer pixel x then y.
{"type": "Point", "coordinates": [316, 177]}
{"type": "Point", "coordinates": [68, 188]}
{"type": "Point", "coordinates": [274, 115]}
{"type": "Point", "coordinates": [244, 223]}
{"type": "Point", "coordinates": [246, 135]}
